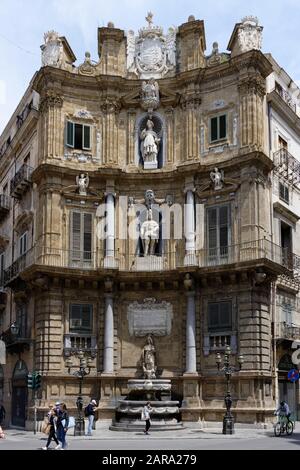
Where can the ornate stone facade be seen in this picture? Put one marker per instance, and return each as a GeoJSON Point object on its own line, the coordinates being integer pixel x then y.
{"type": "Point", "coordinates": [80, 272]}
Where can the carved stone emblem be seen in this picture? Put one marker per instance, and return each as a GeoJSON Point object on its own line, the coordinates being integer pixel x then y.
{"type": "Point", "coordinates": [52, 50]}
{"type": "Point", "coordinates": [152, 54]}
{"type": "Point", "coordinates": [250, 34]}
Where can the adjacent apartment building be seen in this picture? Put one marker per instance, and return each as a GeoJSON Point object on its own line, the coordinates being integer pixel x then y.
{"type": "Point", "coordinates": [95, 161]}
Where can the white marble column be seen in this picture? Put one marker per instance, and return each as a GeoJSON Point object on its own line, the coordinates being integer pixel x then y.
{"type": "Point", "coordinates": [108, 359]}
{"type": "Point", "coordinates": [110, 233]}
{"type": "Point", "coordinates": [189, 228]}
{"type": "Point", "coordinates": [191, 365]}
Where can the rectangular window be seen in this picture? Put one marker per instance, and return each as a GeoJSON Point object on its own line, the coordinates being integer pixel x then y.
{"type": "Point", "coordinates": [78, 136]}
{"type": "Point", "coordinates": [21, 319]}
{"type": "Point", "coordinates": [284, 193]}
{"type": "Point", "coordinates": [282, 144]}
{"type": "Point", "coordinates": [81, 318]}
{"type": "Point", "coordinates": [2, 268]}
{"type": "Point", "coordinates": [23, 244]}
{"type": "Point", "coordinates": [218, 128]}
{"type": "Point", "coordinates": [220, 316]}
{"type": "Point", "coordinates": [218, 231]}
{"type": "Point", "coordinates": [81, 230]}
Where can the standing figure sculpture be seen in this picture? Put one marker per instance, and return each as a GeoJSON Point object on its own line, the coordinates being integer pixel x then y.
{"type": "Point", "coordinates": [82, 182]}
{"type": "Point", "coordinates": [149, 234]}
{"type": "Point", "coordinates": [217, 177]}
{"type": "Point", "coordinates": [150, 144]}
{"type": "Point", "coordinates": [149, 359]}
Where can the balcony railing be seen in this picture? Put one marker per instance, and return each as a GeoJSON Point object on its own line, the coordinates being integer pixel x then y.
{"type": "Point", "coordinates": [73, 342]}
{"type": "Point", "coordinates": [287, 167]}
{"type": "Point", "coordinates": [21, 181]}
{"type": "Point", "coordinates": [286, 98]}
{"type": "Point", "coordinates": [254, 251]}
{"type": "Point", "coordinates": [218, 341]}
{"type": "Point", "coordinates": [287, 331]}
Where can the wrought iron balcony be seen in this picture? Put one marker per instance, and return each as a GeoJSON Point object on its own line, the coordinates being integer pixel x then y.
{"type": "Point", "coordinates": [287, 331]}
{"type": "Point", "coordinates": [21, 181]}
{"type": "Point", "coordinates": [4, 205]}
{"type": "Point", "coordinates": [74, 342]}
{"type": "Point", "coordinates": [286, 98]}
{"type": "Point", "coordinates": [16, 343]}
{"type": "Point", "coordinates": [287, 167]}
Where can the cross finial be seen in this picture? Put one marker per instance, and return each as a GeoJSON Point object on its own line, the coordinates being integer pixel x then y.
{"type": "Point", "coordinates": [149, 18]}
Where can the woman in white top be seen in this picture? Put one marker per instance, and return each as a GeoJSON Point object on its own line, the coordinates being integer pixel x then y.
{"type": "Point", "coordinates": [146, 417]}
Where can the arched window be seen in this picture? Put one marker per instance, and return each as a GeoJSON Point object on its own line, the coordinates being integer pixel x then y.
{"type": "Point", "coordinates": [286, 363]}
{"type": "Point", "coordinates": [150, 141]}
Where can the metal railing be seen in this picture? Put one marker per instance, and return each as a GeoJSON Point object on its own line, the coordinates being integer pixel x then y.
{"type": "Point", "coordinates": [286, 98]}
{"type": "Point", "coordinates": [259, 250]}
{"type": "Point", "coordinates": [287, 167]}
{"type": "Point", "coordinates": [287, 331]}
{"type": "Point", "coordinates": [74, 342]}
{"type": "Point", "coordinates": [22, 177]}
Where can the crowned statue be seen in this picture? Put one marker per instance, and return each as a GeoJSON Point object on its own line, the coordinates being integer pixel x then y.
{"type": "Point", "coordinates": [149, 234]}
{"type": "Point", "coordinates": [150, 146]}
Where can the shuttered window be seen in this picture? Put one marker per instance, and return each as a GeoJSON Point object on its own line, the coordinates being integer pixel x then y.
{"type": "Point", "coordinates": [81, 236]}
{"type": "Point", "coordinates": [218, 230]}
{"type": "Point", "coordinates": [78, 136]}
{"type": "Point", "coordinates": [284, 194]}
{"type": "Point", "coordinates": [219, 316]}
{"type": "Point", "coordinates": [81, 318]}
{"type": "Point", "coordinates": [2, 267]}
{"type": "Point", "coordinates": [23, 243]}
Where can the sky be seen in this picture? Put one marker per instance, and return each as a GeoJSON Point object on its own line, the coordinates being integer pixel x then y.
{"type": "Point", "coordinates": [24, 22]}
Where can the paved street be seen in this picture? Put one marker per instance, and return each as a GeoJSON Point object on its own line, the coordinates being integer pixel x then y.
{"type": "Point", "coordinates": [209, 439]}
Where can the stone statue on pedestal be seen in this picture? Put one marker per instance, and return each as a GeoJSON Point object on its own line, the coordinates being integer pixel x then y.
{"type": "Point", "coordinates": [150, 144]}
{"type": "Point", "coordinates": [82, 182]}
{"type": "Point", "coordinates": [149, 359]}
{"type": "Point", "coordinates": [149, 234]}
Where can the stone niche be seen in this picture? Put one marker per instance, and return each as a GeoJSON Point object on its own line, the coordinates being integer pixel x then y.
{"type": "Point", "coordinates": [161, 320]}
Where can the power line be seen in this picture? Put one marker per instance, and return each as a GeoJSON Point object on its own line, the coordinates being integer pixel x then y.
{"type": "Point", "coordinates": [17, 45]}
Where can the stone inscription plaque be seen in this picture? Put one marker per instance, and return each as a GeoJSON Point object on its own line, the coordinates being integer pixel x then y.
{"type": "Point", "coordinates": [150, 317]}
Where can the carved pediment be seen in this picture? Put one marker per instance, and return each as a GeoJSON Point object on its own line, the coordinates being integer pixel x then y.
{"type": "Point", "coordinates": [230, 185]}
{"type": "Point", "coordinates": [23, 221]}
{"type": "Point", "coordinates": [72, 192]}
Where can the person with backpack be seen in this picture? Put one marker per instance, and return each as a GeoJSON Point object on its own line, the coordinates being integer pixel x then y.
{"type": "Point", "coordinates": [89, 412]}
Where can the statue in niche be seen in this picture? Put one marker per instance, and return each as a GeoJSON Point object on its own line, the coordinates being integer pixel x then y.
{"type": "Point", "coordinates": [150, 143]}
{"type": "Point", "coordinates": [82, 182]}
{"type": "Point", "coordinates": [217, 177]}
{"type": "Point", "coordinates": [149, 234]}
{"type": "Point", "coordinates": [149, 359]}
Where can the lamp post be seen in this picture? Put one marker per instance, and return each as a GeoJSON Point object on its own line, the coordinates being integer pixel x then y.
{"type": "Point", "coordinates": [84, 369]}
{"type": "Point", "coordinates": [228, 369]}
{"type": "Point", "coordinates": [14, 329]}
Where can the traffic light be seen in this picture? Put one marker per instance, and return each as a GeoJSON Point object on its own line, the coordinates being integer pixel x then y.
{"type": "Point", "coordinates": [30, 381]}
{"type": "Point", "coordinates": [38, 380]}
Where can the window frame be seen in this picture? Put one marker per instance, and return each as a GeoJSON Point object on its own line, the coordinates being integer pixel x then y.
{"type": "Point", "coordinates": [286, 192]}
{"type": "Point", "coordinates": [222, 327]}
{"type": "Point", "coordinates": [218, 117]}
{"type": "Point", "coordinates": [229, 231]}
{"type": "Point", "coordinates": [82, 238]}
{"type": "Point", "coordinates": [80, 329]}
{"type": "Point", "coordinates": [23, 237]}
{"type": "Point", "coordinates": [84, 127]}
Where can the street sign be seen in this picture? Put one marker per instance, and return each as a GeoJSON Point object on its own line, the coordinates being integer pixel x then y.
{"type": "Point", "coordinates": [293, 375]}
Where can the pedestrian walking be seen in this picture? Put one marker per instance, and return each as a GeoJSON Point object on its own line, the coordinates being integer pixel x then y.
{"type": "Point", "coordinates": [2, 413]}
{"type": "Point", "coordinates": [146, 417]}
{"type": "Point", "coordinates": [89, 412]}
{"type": "Point", "coordinates": [62, 427]}
{"type": "Point", "coordinates": [52, 417]}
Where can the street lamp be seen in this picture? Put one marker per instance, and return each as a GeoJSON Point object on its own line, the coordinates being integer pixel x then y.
{"type": "Point", "coordinates": [14, 329]}
{"type": "Point", "coordinates": [84, 369]}
{"type": "Point", "coordinates": [228, 369]}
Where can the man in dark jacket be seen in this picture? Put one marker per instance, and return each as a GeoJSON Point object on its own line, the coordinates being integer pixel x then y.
{"type": "Point", "coordinates": [90, 413]}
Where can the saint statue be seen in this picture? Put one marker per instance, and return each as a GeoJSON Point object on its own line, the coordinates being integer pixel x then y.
{"type": "Point", "coordinates": [82, 182]}
{"type": "Point", "coordinates": [150, 144]}
{"type": "Point", "coordinates": [149, 234]}
{"type": "Point", "coordinates": [217, 177]}
{"type": "Point", "coordinates": [149, 359]}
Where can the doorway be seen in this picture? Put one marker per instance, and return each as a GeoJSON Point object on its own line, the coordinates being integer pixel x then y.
{"type": "Point", "coordinates": [19, 395]}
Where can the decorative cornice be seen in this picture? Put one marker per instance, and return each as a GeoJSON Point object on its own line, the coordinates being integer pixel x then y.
{"type": "Point", "coordinates": [110, 106]}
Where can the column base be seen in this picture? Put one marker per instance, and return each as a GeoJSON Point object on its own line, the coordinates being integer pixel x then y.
{"type": "Point", "coordinates": [228, 425]}
{"type": "Point", "coordinates": [79, 427]}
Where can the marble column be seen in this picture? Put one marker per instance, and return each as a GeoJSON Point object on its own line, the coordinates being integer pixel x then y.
{"type": "Point", "coordinates": [189, 227]}
{"type": "Point", "coordinates": [110, 234]}
{"type": "Point", "coordinates": [191, 364]}
{"type": "Point", "coordinates": [108, 358]}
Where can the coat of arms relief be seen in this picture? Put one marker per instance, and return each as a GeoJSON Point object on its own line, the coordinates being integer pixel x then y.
{"type": "Point", "coordinates": [151, 54]}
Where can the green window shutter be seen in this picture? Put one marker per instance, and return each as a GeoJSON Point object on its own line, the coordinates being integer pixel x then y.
{"type": "Point", "coordinates": [225, 315]}
{"type": "Point", "coordinates": [86, 137]}
{"type": "Point", "coordinates": [222, 127]}
{"type": "Point", "coordinates": [212, 230]}
{"type": "Point", "coordinates": [75, 317]}
{"type": "Point", "coordinates": [70, 134]}
{"type": "Point", "coordinates": [87, 236]}
{"type": "Point", "coordinates": [224, 226]}
{"type": "Point", "coordinates": [76, 236]}
{"type": "Point", "coordinates": [214, 129]}
{"type": "Point", "coordinates": [87, 317]}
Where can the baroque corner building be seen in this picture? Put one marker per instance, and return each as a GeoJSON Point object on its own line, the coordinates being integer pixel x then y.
{"type": "Point", "coordinates": [93, 162]}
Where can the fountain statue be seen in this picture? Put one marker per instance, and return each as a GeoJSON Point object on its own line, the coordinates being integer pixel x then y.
{"type": "Point", "coordinates": [149, 359]}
